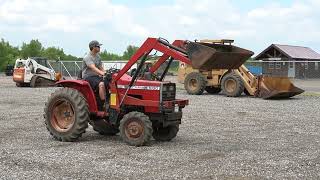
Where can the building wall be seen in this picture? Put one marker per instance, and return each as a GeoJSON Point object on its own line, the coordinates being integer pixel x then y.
{"type": "Point", "coordinates": [307, 70]}
{"type": "Point", "coordinates": [302, 69]}
{"type": "Point", "coordinates": [276, 69]}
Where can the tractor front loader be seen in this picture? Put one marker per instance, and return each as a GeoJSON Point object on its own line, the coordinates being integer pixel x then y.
{"type": "Point", "coordinates": [139, 108]}
{"type": "Point", "coordinates": [219, 75]}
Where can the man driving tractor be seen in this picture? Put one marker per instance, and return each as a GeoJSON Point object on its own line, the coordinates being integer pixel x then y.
{"type": "Point", "coordinates": [93, 71]}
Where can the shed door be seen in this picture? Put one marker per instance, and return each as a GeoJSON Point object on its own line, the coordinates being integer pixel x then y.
{"type": "Point", "coordinates": [291, 69]}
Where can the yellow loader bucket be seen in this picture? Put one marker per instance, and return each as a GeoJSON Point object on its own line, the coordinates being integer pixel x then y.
{"type": "Point", "coordinates": [206, 56]}
{"type": "Point", "coordinates": [276, 88]}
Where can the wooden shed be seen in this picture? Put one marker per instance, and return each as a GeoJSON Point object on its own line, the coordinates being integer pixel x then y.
{"type": "Point", "coordinates": [291, 61]}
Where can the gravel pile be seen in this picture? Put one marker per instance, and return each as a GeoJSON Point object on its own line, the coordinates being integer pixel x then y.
{"type": "Point", "coordinates": [220, 138]}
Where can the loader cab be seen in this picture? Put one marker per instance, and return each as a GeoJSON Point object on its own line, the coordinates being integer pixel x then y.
{"type": "Point", "coordinates": [42, 61]}
{"type": "Point", "coordinates": [20, 63]}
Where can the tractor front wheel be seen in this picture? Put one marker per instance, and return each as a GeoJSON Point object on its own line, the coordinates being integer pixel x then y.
{"type": "Point", "coordinates": [165, 133]}
{"type": "Point", "coordinates": [66, 114]}
{"type": "Point", "coordinates": [136, 128]}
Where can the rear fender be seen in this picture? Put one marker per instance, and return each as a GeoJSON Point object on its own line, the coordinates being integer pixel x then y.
{"type": "Point", "coordinates": [86, 90]}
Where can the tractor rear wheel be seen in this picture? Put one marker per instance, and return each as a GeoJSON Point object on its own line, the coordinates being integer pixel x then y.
{"type": "Point", "coordinates": [165, 133]}
{"type": "Point", "coordinates": [213, 90]}
{"type": "Point", "coordinates": [103, 127]}
{"type": "Point", "coordinates": [136, 128]}
{"type": "Point", "coordinates": [66, 114]}
{"type": "Point", "coordinates": [195, 83]}
{"type": "Point", "coordinates": [232, 85]}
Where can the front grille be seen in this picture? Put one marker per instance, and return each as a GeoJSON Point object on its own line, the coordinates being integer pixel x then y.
{"type": "Point", "coordinates": [169, 92]}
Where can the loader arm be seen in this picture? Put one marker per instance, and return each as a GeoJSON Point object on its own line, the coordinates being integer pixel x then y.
{"type": "Point", "coordinates": [164, 57]}
{"type": "Point", "coordinates": [249, 80]}
{"type": "Point", "coordinates": [150, 44]}
{"type": "Point", "coordinates": [267, 87]}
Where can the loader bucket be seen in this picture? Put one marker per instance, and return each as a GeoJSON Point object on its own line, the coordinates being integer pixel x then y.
{"type": "Point", "coordinates": [276, 88]}
{"type": "Point", "coordinates": [206, 56]}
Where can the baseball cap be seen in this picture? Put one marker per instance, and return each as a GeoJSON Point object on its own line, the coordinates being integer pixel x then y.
{"type": "Point", "coordinates": [94, 43]}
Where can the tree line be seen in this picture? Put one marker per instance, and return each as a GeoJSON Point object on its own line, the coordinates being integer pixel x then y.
{"type": "Point", "coordinates": [9, 53]}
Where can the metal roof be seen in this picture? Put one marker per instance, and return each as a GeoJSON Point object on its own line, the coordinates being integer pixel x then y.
{"type": "Point", "coordinates": [294, 52]}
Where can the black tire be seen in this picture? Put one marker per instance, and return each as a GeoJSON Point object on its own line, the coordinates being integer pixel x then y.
{"type": "Point", "coordinates": [38, 81]}
{"type": "Point", "coordinates": [136, 129]}
{"type": "Point", "coordinates": [195, 83]}
{"type": "Point", "coordinates": [165, 133]}
{"type": "Point", "coordinates": [33, 81]}
{"type": "Point", "coordinates": [66, 102]}
{"type": "Point", "coordinates": [104, 128]}
{"type": "Point", "coordinates": [232, 85]}
{"type": "Point", "coordinates": [213, 90]}
{"type": "Point", "coordinates": [22, 84]}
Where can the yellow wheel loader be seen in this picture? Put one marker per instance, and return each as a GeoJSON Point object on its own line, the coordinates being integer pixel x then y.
{"type": "Point", "coordinates": [200, 76]}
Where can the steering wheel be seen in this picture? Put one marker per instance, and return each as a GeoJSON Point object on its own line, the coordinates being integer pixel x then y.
{"type": "Point", "coordinates": [108, 75]}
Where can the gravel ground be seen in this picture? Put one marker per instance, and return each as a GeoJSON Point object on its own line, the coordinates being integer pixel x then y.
{"type": "Point", "coordinates": [220, 138]}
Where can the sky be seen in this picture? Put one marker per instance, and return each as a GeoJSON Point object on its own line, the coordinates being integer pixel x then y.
{"type": "Point", "coordinates": [71, 24]}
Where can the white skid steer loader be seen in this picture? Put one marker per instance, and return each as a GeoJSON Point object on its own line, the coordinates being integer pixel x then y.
{"type": "Point", "coordinates": [34, 72]}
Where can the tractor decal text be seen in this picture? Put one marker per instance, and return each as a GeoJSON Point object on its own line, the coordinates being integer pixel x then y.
{"type": "Point", "coordinates": [151, 88]}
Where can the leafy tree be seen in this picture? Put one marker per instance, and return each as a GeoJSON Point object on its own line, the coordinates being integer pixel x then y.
{"type": "Point", "coordinates": [8, 54]}
{"type": "Point", "coordinates": [129, 52]}
{"type": "Point", "coordinates": [70, 58]}
{"type": "Point", "coordinates": [53, 53]}
{"type": "Point", "coordinates": [105, 55]}
{"type": "Point", "coordinates": [33, 49]}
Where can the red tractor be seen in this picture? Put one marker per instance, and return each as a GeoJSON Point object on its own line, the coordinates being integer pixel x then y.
{"type": "Point", "coordinates": [140, 107]}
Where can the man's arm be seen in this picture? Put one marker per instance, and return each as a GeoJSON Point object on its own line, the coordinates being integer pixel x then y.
{"type": "Point", "coordinates": [96, 70]}
{"type": "Point", "coordinates": [101, 65]}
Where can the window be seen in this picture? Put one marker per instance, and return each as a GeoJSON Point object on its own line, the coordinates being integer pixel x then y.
{"type": "Point", "coordinates": [271, 65]}
{"type": "Point", "coordinates": [316, 66]}
{"type": "Point", "coordinates": [306, 65]}
{"type": "Point", "coordinates": [278, 65]}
